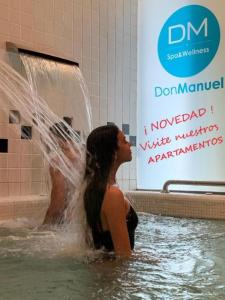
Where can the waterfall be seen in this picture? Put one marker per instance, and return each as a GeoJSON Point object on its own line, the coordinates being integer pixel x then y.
{"type": "Point", "coordinates": [60, 87]}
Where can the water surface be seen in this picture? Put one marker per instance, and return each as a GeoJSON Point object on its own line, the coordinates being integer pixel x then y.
{"type": "Point", "coordinates": [174, 259]}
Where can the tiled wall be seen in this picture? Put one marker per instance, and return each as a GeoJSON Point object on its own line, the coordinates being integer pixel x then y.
{"type": "Point", "coordinates": [101, 35]}
{"type": "Point", "coordinates": [21, 163]}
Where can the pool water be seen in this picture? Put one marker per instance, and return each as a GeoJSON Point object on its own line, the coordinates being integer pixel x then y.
{"type": "Point", "coordinates": [174, 259]}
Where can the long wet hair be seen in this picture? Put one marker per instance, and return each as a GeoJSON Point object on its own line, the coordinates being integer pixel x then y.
{"type": "Point", "coordinates": [102, 144]}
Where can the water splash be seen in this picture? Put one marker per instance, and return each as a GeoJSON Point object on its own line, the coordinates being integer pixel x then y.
{"type": "Point", "coordinates": [17, 92]}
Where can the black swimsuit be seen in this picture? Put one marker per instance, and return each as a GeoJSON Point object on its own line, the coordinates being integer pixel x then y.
{"type": "Point", "coordinates": [103, 238]}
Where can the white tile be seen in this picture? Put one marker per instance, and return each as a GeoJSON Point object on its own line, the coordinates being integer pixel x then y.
{"type": "Point", "coordinates": [36, 149]}
{"type": "Point", "coordinates": [126, 185]}
{"type": "Point", "coordinates": [4, 175]}
{"type": "Point", "coordinates": [4, 189]}
{"type": "Point", "coordinates": [27, 20]}
{"type": "Point", "coordinates": [26, 160]}
{"type": "Point", "coordinates": [95, 67]}
{"type": "Point", "coordinates": [127, 13]}
{"type": "Point", "coordinates": [133, 120]}
{"type": "Point", "coordinates": [3, 131]}
{"type": "Point", "coordinates": [14, 131]}
{"type": "Point", "coordinates": [95, 110]}
{"type": "Point", "coordinates": [14, 175]}
{"type": "Point", "coordinates": [94, 90]}
{"type": "Point", "coordinates": [15, 30]}
{"type": "Point", "coordinates": [26, 146]}
{"type": "Point", "coordinates": [4, 26]}
{"type": "Point", "coordinates": [4, 116]}
{"type": "Point", "coordinates": [25, 188]}
{"type": "Point", "coordinates": [132, 185]}
{"type": "Point", "coordinates": [37, 161]}
{"type": "Point", "coordinates": [14, 160]}
{"type": "Point", "coordinates": [26, 6]}
{"type": "Point", "coordinates": [36, 188]}
{"type": "Point", "coordinates": [59, 5]}
{"type": "Point", "coordinates": [4, 12]}
{"type": "Point", "coordinates": [103, 89]}
{"type": "Point", "coordinates": [14, 146]}
{"type": "Point", "coordinates": [14, 189]}
{"type": "Point", "coordinates": [26, 175]}
{"type": "Point", "coordinates": [126, 171]}
{"type": "Point", "coordinates": [36, 174]}
{"type": "Point", "coordinates": [14, 16]}
{"type": "Point", "coordinates": [133, 171]}
{"type": "Point", "coordinates": [119, 174]}
{"type": "Point", "coordinates": [120, 183]}
{"type": "Point", "coordinates": [103, 111]}
{"type": "Point", "coordinates": [15, 4]}
{"type": "Point", "coordinates": [3, 160]}
{"type": "Point", "coordinates": [27, 35]}
{"type": "Point", "coordinates": [111, 110]}
{"type": "Point", "coordinates": [77, 32]}
{"type": "Point", "coordinates": [3, 2]}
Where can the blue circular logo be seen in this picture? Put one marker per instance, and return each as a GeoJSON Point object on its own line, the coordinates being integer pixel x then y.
{"type": "Point", "coordinates": [188, 41]}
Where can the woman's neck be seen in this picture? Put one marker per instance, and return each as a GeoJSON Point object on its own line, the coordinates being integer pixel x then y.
{"type": "Point", "coordinates": [112, 176]}
{"type": "Point", "coordinates": [112, 180]}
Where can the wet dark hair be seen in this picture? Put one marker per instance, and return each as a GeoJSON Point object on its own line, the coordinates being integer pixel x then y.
{"type": "Point", "coordinates": [102, 144]}
{"type": "Point", "coordinates": [60, 130]}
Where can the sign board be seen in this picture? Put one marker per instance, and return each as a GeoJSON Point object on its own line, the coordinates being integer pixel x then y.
{"type": "Point", "coordinates": [181, 95]}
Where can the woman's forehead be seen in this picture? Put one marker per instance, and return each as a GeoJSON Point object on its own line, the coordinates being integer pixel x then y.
{"type": "Point", "coordinates": [120, 135]}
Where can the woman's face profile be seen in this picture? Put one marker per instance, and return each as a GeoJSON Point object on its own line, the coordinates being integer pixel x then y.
{"type": "Point", "coordinates": [124, 153]}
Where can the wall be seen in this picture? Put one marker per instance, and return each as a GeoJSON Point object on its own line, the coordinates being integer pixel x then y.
{"type": "Point", "coordinates": [99, 34]}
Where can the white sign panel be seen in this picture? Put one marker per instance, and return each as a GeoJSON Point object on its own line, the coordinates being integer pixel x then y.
{"type": "Point", "coordinates": [181, 96]}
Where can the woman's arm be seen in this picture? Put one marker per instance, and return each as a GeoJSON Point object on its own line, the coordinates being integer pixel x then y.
{"type": "Point", "coordinates": [57, 204]}
{"type": "Point", "coordinates": [114, 211]}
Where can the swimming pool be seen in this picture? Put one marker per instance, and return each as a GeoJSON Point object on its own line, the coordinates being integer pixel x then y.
{"type": "Point", "coordinates": [174, 259]}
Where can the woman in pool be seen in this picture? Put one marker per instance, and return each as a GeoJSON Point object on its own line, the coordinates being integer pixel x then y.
{"type": "Point", "coordinates": [109, 214]}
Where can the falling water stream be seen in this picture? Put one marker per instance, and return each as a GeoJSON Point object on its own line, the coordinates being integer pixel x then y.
{"type": "Point", "coordinates": [35, 110]}
{"type": "Point", "coordinates": [63, 88]}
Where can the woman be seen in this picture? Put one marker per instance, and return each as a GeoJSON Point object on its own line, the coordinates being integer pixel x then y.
{"type": "Point", "coordinates": [109, 214]}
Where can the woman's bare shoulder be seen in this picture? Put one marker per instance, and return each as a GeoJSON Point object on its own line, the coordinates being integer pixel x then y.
{"type": "Point", "coordinates": [113, 197]}
{"type": "Point", "coordinates": [112, 190]}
